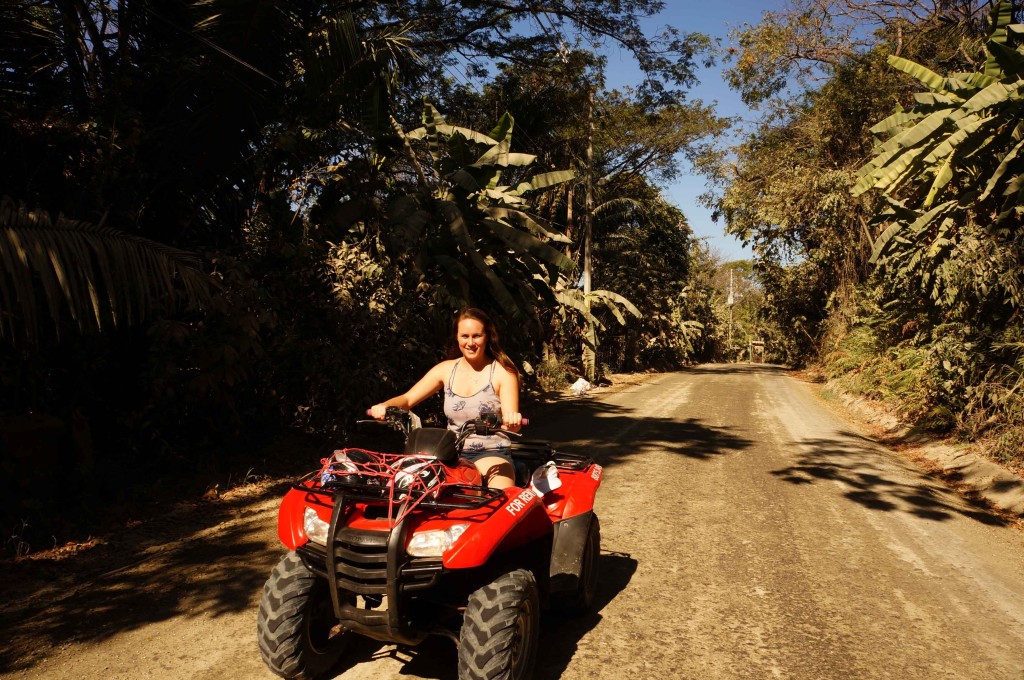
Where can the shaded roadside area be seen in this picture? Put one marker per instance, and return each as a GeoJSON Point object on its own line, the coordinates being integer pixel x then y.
{"type": "Point", "coordinates": [207, 560]}
{"type": "Point", "coordinates": [973, 475]}
{"type": "Point", "coordinates": [612, 433]}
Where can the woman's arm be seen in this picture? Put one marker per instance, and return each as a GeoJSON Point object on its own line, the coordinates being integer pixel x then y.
{"type": "Point", "coordinates": [506, 385]}
{"type": "Point", "coordinates": [426, 386]}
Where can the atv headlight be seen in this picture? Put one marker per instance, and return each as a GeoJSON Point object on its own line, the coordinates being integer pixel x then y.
{"type": "Point", "coordinates": [316, 528]}
{"type": "Point", "coordinates": [435, 543]}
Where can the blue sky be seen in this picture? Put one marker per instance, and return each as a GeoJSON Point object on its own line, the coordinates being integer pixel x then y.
{"type": "Point", "coordinates": [714, 18]}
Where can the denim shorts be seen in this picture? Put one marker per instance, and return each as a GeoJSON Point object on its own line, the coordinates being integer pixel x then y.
{"type": "Point", "coordinates": [474, 456]}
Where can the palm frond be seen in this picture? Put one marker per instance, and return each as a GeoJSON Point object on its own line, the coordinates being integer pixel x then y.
{"type": "Point", "coordinates": [97, 276]}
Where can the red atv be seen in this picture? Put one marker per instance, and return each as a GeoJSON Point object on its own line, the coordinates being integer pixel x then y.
{"type": "Point", "coordinates": [397, 547]}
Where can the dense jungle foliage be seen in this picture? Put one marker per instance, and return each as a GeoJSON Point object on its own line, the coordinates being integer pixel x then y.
{"type": "Point", "coordinates": [882, 194]}
{"type": "Point", "coordinates": [223, 222]}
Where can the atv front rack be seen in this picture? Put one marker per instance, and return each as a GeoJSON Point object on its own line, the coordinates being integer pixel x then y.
{"type": "Point", "coordinates": [447, 497]}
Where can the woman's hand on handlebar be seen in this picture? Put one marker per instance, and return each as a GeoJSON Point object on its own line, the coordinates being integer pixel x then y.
{"type": "Point", "coordinates": [513, 421]}
{"type": "Point", "coordinates": [377, 411]}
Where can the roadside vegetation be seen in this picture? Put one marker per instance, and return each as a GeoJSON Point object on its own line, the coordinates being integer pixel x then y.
{"type": "Point", "coordinates": [881, 194]}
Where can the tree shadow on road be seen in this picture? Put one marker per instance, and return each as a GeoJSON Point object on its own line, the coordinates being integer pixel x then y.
{"type": "Point", "coordinates": [611, 434]}
{"type": "Point", "coordinates": [854, 461]}
{"type": "Point", "coordinates": [560, 634]}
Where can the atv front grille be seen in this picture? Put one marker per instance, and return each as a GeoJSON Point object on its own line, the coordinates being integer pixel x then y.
{"type": "Point", "coordinates": [361, 560]}
{"type": "Point", "coordinates": [361, 563]}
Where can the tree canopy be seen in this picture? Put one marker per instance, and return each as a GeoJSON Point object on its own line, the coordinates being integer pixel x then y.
{"type": "Point", "coordinates": [227, 220]}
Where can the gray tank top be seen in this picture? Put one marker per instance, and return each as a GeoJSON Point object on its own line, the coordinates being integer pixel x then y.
{"type": "Point", "coordinates": [458, 409]}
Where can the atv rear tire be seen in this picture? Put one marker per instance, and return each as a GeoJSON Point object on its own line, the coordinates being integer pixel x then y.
{"type": "Point", "coordinates": [499, 629]}
{"type": "Point", "coordinates": [581, 600]}
{"type": "Point", "coordinates": [295, 622]}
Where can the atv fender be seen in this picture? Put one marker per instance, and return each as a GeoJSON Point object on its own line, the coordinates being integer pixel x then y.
{"type": "Point", "coordinates": [289, 519]}
{"type": "Point", "coordinates": [520, 520]}
{"type": "Point", "coordinates": [579, 490]}
{"type": "Point", "coordinates": [567, 551]}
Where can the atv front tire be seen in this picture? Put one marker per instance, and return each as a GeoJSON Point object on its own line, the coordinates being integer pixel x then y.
{"type": "Point", "coordinates": [499, 629]}
{"type": "Point", "coordinates": [295, 622]}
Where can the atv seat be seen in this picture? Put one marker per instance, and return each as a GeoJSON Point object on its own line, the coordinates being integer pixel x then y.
{"type": "Point", "coordinates": [437, 442]}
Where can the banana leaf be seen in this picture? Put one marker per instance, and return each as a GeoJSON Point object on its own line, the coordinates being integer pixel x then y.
{"type": "Point", "coordinates": [431, 120]}
{"type": "Point", "coordinates": [502, 132]}
{"type": "Point", "coordinates": [896, 120]}
{"type": "Point", "coordinates": [504, 196]}
{"type": "Point", "coordinates": [933, 81]}
{"type": "Point", "coordinates": [457, 225]}
{"type": "Point", "coordinates": [993, 95]}
{"type": "Point", "coordinates": [465, 180]}
{"type": "Point", "coordinates": [919, 226]}
{"type": "Point", "coordinates": [1000, 18]}
{"type": "Point", "coordinates": [925, 128]}
{"type": "Point", "coordinates": [967, 126]}
{"type": "Point", "coordinates": [615, 297]}
{"type": "Point", "coordinates": [942, 178]}
{"type": "Point", "coordinates": [524, 219]}
{"type": "Point", "coordinates": [978, 81]}
{"type": "Point", "coordinates": [443, 129]}
{"type": "Point", "coordinates": [495, 156]}
{"type": "Point", "coordinates": [934, 100]}
{"type": "Point", "coordinates": [1004, 165]}
{"type": "Point", "coordinates": [1011, 62]}
{"type": "Point", "coordinates": [545, 180]}
{"type": "Point", "coordinates": [574, 299]}
{"type": "Point", "coordinates": [886, 237]}
{"type": "Point", "coordinates": [894, 172]}
{"type": "Point", "coordinates": [525, 243]}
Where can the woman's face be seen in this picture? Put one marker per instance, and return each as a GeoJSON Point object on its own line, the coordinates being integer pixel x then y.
{"type": "Point", "coordinates": [472, 339]}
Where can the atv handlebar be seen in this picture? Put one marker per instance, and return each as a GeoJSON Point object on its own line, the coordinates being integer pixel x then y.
{"type": "Point", "coordinates": [399, 417]}
{"type": "Point", "coordinates": [396, 418]}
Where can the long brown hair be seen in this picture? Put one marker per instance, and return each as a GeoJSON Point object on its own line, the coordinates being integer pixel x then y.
{"type": "Point", "coordinates": [493, 348]}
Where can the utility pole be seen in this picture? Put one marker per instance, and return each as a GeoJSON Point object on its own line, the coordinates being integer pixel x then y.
{"type": "Point", "coordinates": [588, 222]}
{"type": "Point", "coordinates": [730, 303]}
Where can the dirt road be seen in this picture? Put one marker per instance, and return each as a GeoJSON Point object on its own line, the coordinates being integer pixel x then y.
{"type": "Point", "coordinates": [748, 532]}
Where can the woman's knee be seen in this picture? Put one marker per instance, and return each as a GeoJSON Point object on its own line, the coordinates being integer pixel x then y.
{"type": "Point", "coordinates": [497, 472]}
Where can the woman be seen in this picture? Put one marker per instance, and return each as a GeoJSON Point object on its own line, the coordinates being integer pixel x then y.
{"type": "Point", "coordinates": [477, 378]}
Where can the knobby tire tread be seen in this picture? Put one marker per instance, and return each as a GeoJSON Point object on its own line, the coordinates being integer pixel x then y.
{"type": "Point", "coordinates": [281, 623]}
{"type": "Point", "coordinates": [489, 627]}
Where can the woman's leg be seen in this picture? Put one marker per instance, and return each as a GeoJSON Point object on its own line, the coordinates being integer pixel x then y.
{"type": "Point", "coordinates": [497, 472]}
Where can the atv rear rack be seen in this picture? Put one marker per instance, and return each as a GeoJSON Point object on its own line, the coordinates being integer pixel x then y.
{"type": "Point", "coordinates": [539, 452]}
{"type": "Point", "coordinates": [571, 461]}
